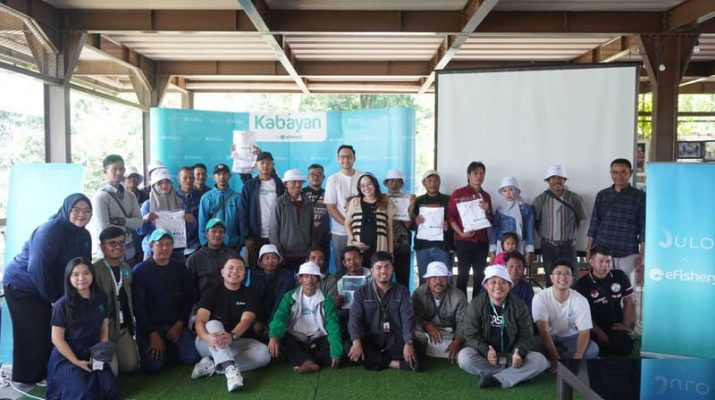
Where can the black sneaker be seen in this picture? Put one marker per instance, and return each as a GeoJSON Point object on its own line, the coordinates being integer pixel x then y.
{"type": "Point", "coordinates": [405, 366]}
{"type": "Point", "coordinates": [488, 381]}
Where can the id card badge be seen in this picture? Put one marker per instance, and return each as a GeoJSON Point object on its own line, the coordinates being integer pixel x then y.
{"type": "Point", "coordinates": [121, 318]}
{"type": "Point", "coordinates": [97, 365]}
{"type": "Point", "coordinates": [386, 327]}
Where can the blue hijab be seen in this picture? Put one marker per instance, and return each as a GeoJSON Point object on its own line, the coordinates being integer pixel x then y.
{"type": "Point", "coordinates": [63, 214]}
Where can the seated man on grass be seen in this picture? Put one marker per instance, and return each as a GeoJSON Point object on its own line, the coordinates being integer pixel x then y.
{"type": "Point", "coordinates": [610, 296]}
{"type": "Point", "coordinates": [439, 310]}
{"type": "Point", "coordinates": [305, 325]}
{"type": "Point", "coordinates": [271, 282]}
{"type": "Point", "coordinates": [224, 316]}
{"type": "Point", "coordinates": [382, 320]}
{"type": "Point", "coordinates": [563, 318]}
{"type": "Point", "coordinates": [498, 332]}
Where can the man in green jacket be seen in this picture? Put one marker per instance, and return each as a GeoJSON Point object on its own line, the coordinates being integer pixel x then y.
{"type": "Point", "coordinates": [305, 325]}
{"type": "Point", "coordinates": [498, 334]}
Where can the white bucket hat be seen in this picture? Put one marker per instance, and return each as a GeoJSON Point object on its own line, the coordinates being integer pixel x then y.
{"type": "Point", "coordinates": [496, 270]}
{"type": "Point", "coordinates": [269, 248]}
{"type": "Point", "coordinates": [393, 174]}
{"type": "Point", "coordinates": [293, 175]}
{"type": "Point", "coordinates": [509, 181]}
{"type": "Point", "coordinates": [556, 170]}
{"type": "Point", "coordinates": [154, 165]}
{"type": "Point", "coordinates": [159, 174]}
{"type": "Point", "coordinates": [132, 170]}
{"type": "Point", "coordinates": [436, 268]}
{"type": "Point", "coordinates": [310, 268]}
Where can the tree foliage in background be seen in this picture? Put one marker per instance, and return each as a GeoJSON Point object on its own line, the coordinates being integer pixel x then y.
{"type": "Point", "coordinates": [22, 139]}
{"type": "Point", "coordinates": [99, 128]}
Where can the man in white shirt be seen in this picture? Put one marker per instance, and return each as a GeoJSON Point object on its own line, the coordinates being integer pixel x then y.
{"type": "Point", "coordinates": [338, 188]}
{"type": "Point", "coordinates": [258, 198]}
{"type": "Point", "coordinates": [563, 318]}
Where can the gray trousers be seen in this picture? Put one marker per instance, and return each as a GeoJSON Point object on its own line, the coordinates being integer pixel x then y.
{"type": "Point", "coordinates": [339, 244]}
{"type": "Point", "coordinates": [534, 364]}
{"type": "Point", "coordinates": [248, 354]}
{"type": "Point", "coordinates": [126, 358]}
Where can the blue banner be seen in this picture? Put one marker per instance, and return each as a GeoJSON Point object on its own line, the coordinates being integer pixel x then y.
{"type": "Point", "coordinates": [679, 287]}
{"type": "Point", "coordinates": [36, 192]}
{"type": "Point", "coordinates": [383, 139]}
{"type": "Point", "coordinates": [677, 379]}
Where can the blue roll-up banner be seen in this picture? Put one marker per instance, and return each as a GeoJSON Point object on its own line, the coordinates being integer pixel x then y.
{"type": "Point", "coordinates": [383, 139]}
{"type": "Point", "coordinates": [35, 193]}
{"type": "Point", "coordinates": [677, 379]}
{"type": "Point", "coordinates": [679, 287]}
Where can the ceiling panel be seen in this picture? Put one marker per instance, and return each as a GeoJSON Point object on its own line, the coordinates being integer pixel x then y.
{"type": "Point", "coordinates": [410, 5]}
{"type": "Point", "coordinates": [143, 4]}
{"type": "Point", "coordinates": [586, 5]}
{"type": "Point", "coordinates": [528, 48]}
{"type": "Point", "coordinates": [363, 47]}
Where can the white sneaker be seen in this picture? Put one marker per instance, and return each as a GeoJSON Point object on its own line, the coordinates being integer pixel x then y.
{"type": "Point", "coordinates": [234, 380]}
{"type": "Point", "coordinates": [42, 383]}
{"type": "Point", "coordinates": [205, 367]}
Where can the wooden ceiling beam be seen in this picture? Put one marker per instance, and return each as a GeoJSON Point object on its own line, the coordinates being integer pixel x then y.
{"type": "Point", "coordinates": [689, 14]}
{"type": "Point", "coordinates": [257, 10]}
{"type": "Point", "coordinates": [611, 51]}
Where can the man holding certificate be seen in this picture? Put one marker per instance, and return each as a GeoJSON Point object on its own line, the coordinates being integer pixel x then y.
{"type": "Point", "coordinates": [470, 214]}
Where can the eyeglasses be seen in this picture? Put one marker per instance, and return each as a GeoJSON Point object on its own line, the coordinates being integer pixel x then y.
{"type": "Point", "coordinates": [564, 274]}
{"type": "Point", "coordinates": [316, 175]}
{"type": "Point", "coordinates": [81, 211]}
{"type": "Point", "coordinates": [115, 243]}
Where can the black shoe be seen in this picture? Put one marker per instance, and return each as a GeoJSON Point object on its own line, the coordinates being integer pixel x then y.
{"type": "Point", "coordinates": [405, 366]}
{"type": "Point", "coordinates": [488, 381]}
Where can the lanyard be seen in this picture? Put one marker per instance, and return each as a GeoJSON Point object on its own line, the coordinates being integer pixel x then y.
{"type": "Point", "coordinates": [502, 324]}
{"type": "Point", "coordinates": [383, 311]}
{"type": "Point", "coordinates": [117, 285]}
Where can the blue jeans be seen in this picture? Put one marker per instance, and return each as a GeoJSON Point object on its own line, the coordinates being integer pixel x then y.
{"type": "Point", "coordinates": [184, 348]}
{"type": "Point", "coordinates": [426, 256]}
{"type": "Point", "coordinates": [568, 343]}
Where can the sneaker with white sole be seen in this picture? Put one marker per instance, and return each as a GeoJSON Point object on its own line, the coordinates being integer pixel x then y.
{"type": "Point", "coordinates": [234, 380]}
{"type": "Point", "coordinates": [205, 367]}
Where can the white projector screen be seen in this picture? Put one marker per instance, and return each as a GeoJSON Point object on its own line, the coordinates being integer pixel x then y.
{"type": "Point", "coordinates": [518, 121]}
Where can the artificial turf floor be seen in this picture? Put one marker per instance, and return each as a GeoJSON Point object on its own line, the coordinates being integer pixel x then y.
{"type": "Point", "coordinates": [438, 380]}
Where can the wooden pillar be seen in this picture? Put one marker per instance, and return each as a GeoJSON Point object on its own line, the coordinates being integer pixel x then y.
{"type": "Point", "coordinates": [665, 57]}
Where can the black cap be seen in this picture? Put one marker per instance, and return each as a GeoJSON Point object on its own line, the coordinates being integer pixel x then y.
{"type": "Point", "coordinates": [221, 168]}
{"type": "Point", "coordinates": [263, 155]}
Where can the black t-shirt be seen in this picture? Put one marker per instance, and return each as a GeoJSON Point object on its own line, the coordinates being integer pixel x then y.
{"type": "Point", "coordinates": [368, 228]}
{"type": "Point", "coordinates": [441, 200]}
{"type": "Point", "coordinates": [497, 329]}
{"type": "Point", "coordinates": [228, 306]}
{"type": "Point", "coordinates": [605, 295]}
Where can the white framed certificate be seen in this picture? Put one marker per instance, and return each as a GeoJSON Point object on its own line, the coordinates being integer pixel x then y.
{"type": "Point", "coordinates": [347, 285]}
{"type": "Point", "coordinates": [174, 222]}
{"type": "Point", "coordinates": [472, 215]}
{"type": "Point", "coordinates": [431, 229]}
{"type": "Point", "coordinates": [402, 207]}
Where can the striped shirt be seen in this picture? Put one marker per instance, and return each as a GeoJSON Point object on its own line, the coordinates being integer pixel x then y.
{"type": "Point", "coordinates": [556, 222]}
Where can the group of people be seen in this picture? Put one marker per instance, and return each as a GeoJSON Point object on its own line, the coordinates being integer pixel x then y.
{"type": "Point", "coordinates": [146, 300]}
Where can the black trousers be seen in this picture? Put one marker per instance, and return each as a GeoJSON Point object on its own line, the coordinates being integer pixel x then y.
{"type": "Point", "coordinates": [297, 352]}
{"type": "Point", "coordinates": [31, 335]}
{"type": "Point", "coordinates": [380, 350]}
{"type": "Point", "coordinates": [471, 256]}
{"type": "Point", "coordinates": [402, 267]}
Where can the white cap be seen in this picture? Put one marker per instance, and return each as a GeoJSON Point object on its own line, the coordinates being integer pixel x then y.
{"type": "Point", "coordinates": [160, 174]}
{"type": "Point", "coordinates": [310, 268]}
{"type": "Point", "coordinates": [154, 165]}
{"type": "Point", "coordinates": [496, 270]}
{"type": "Point", "coordinates": [509, 181]}
{"type": "Point", "coordinates": [269, 248]}
{"type": "Point", "coordinates": [293, 175]}
{"type": "Point", "coordinates": [132, 170]}
{"type": "Point", "coordinates": [393, 174]}
{"type": "Point", "coordinates": [436, 268]}
{"type": "Point", "coordinates": [429, 173]}
{"type": "Point", "coordinates": [556, 170]}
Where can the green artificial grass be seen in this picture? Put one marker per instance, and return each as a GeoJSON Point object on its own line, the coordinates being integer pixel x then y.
{"type": "Point", "coordinates": [439, 380]}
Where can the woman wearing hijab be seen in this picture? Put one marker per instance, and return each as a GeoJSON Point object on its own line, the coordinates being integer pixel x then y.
{"type": "Point", "coordinates": [34, 281]}
{"type": "Point", "coordinates": [161, 198]}
{"type": "Point", "coordinates": [513, 216]}
{"type": "Point", "coordinates": [368, 219]}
